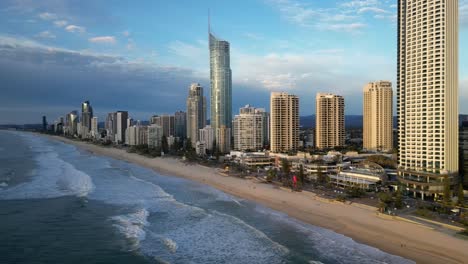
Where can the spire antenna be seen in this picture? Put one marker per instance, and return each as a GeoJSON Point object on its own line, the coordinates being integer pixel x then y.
{"type": "Point", "coordinates": [209, 22]}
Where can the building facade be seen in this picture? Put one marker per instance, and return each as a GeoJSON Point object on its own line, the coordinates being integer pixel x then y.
{"type": "Point", "coordinates": [86, 117]}
{"type": "Point", "coordinates": [427, 104]}
{"type": "Point", "coordinates": [248, 129]}
{"type": "Point", "coordinates": [207, 137]}
{"type": "Point", "coordinates": [180, 125]}
{"type": "Point", "coordinates": [94, 127]}
{"type": "Point", "coordinates": [329, 121]}
{"type": "Point", "coordinates": [284, 122]}
{"type": "Point", "coordinates": [378, 116]}
{"type": "Point", "coordinates": [196, 112]}
{"type": "Point", "coordinates": [121, 126]}
{"type": "Point", "coordinates": [223, 136]}
{"type": "Point", "coordinates": [167, 122]}
{"type": "Point", "coordinates": [155, 134]}
{"type": "Point", "coordinates": [221, 83]}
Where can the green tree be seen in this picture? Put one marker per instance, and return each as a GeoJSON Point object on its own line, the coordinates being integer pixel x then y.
{"type": "Point", "coordinates": [447, 192]}
{"type": "Point", "coordinates": [398, 199]}
{"type": "Point", "coordinates": [301, 175]}
{"type": "Point", "coordinates": [286, 167]}
{"type": "Point", "coordinates": [271, 175]}
{"type": "Point", "coordinates": [461, 196]}
{"type": "Point", "coordinates": [384, 201]}
{"type": "Point", "coordinates": [164, 145]}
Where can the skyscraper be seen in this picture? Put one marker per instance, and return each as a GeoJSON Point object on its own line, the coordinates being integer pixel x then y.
{"type": "Point", "coordinates": [196, 112]}
{"type": "Point", "coordinates": [111, 126]}
{"type": "Point", "coordinates": [284, 122]}
{"type": "Point", "coordinates": [94, 127]}
{"type": "Point", "coordinates": [180, 125]}
{"type": "Point", "coordinates": [378, 116]}
{"type": "Point", "coordinates": [221, 83]}
{"type": "Point", "coordinates": [86, 116]}
{"type": "Point", "coordinates": [121, 126]}
{"type": "Point", "coordinates": [44, 123]}
{"type": "Point", "coordinates": [71, 123]}
{"type": "Point", "coordinates": [248, 129]}
{"type": "Point", "coordinates": [329, 121]}
{"type": "Point", "coordinates": [207, 137]}
{"type": "Point", "coordinates": [427, 104]}
{"type": "Point", "coordinates": [167, 123]}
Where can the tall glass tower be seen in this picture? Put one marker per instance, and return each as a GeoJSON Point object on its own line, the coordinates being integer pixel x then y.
{"type": "Point", "coordinates": [221, 83]}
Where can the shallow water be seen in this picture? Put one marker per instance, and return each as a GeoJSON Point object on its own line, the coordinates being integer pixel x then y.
{"type": "Point", "coordinates": [60, 204]}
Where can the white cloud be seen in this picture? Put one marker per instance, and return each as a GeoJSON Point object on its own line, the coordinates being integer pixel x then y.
{"type": "Point", "coordinates": [103, 40]}
{"type": "Point", "coordinates": [75, 29]}
{"type": "Point", "coordinates": [372, 9]}
{"type": "Point", "coordinates": [60, 23]}
{"type": "Point", "coordinates": [46, 35]}
{"type": "Point", "coordinates": [360, 3]}
{"type": "Point", "coordinates": [47, 16]}
{"type": "Point", "coordinates": [346, 17]}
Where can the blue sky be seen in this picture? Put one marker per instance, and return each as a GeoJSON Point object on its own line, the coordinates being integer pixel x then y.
{"type": "Point", "coordinates": [141, 56]}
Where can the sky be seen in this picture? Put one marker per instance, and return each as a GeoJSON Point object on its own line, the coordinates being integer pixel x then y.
{"type": "Point", "coordinates": [142, 56]}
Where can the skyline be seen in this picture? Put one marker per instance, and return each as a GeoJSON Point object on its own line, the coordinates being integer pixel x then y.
{"type": "Point", "coordinates": [55, 55]}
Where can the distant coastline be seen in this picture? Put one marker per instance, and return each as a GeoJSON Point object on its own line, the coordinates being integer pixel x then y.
{"type": "Point", "coordinates": [412, 241]}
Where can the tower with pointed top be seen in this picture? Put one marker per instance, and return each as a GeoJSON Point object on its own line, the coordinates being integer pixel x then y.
{"type": "Point", "coordinates": [221, 84]}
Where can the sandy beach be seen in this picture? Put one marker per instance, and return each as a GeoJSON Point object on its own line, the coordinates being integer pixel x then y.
{"type": "Point", "coordinates": [361, 223]}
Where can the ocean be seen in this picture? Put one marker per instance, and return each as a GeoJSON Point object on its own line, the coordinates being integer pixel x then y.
{"type": "Point", "coordinates": [62, 204]}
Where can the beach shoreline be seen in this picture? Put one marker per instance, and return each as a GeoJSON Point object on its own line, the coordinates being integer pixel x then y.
{"type": "Point", "coordinates": [361, 223]}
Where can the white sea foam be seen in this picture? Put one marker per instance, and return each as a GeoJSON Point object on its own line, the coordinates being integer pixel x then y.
{"type": "Point", "coordinates": [3, 184]}
{"type": "Point", "coordinates": [53, 176]}
{"type": "Point", "coordinates": [170, 244]}
{"type": "Point", "coordinates": [333, 246]}
{"type": "Point", "coordinates": [132, 226]}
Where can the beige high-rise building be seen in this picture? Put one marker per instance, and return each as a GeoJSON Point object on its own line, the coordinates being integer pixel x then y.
{"type": "Point", "coordinates": [196, 112]}
{"type": "Point", "coordinates": [329, 121]}
{"type": "Point", "coordinates": [284, 122]}
{"type": "Point", "coordinates": [378, 116]}
{"type": "Point", "coordinates": [223, 134]}
{"type": "Point", "coordinates": [427, 85]}
{"type": "Point", "coordinates": [248, 129]}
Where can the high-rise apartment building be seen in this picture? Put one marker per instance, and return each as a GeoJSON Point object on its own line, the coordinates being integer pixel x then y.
{"type": "Point", "coordinates": [221, 83]}
{"type": "Point", "coordinates": [155, 134]}
{"type": "Point", "coordinates": [180, 125]}
{"type": "Point", "coordinates": [378, 116]}
{"type": "Point", "coordinates": [94, 127]}
{"type": "Point", "coordinates": [44, 123]}
{"type": "Point", "coordinates": [329, 121]}
{"type": "Point", "coordinates": [248, 130]}
{"type": "Point", "coordinates": [223, 136]}
{"type": "Point", "coordinates": [207, 137]}
{"type": "Point", "coordinates": [167, 122]}
{"type": "Point", "coordinates": [427, 98]}
{"type": "Point", "coordinates": [284, 122]}
{"type": "Point", "coordinates": [86, 116]}
{"type": "Point", "coordinates": [111, 125]}
{"type": "Point", "coordinates": [121, 126]}
{"type": "Point", "coordinates": [137, 135]}
{"type": "Point", "coordinates": [196, 112]}
{"type": "Point", "coordinates": [71, 123]}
